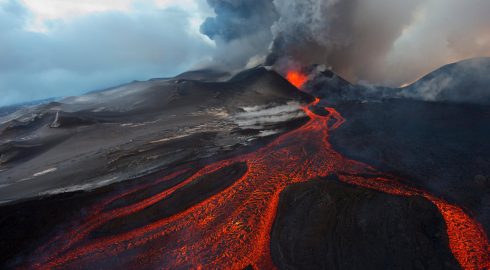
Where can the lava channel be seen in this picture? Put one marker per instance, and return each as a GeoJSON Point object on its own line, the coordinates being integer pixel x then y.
{"type": "Point", "coordinates": [231, 229]}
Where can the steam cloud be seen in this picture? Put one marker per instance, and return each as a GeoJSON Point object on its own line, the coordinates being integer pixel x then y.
{"type": "Point", "coordinates": [388, 42]}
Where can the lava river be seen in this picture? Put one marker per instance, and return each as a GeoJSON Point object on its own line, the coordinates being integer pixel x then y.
{"type": "Point", "coordinates": [231, 229]}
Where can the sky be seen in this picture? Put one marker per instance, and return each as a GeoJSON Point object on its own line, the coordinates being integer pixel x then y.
{"type": "Point", "coordinates": [55, 48]}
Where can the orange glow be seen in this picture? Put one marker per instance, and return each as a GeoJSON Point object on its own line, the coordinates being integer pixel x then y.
{"type": "Point", "coordinates": [231, 229]}
{"type": "Point", "coordinates": [296, 78]}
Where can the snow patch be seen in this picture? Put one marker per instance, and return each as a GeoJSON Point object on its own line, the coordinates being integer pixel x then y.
{"type": "Point", "coordinates": [82, 187]}
{"type": "Point", "coordinates": [50, 170]}
{"type": "Point", "coordinates": [256, 117]}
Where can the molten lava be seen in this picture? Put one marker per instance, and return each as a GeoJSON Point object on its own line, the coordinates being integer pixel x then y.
{"type": "Point", "coordinates": [231, 229]}
{"type": "Point", "coordinates": [296, 78]}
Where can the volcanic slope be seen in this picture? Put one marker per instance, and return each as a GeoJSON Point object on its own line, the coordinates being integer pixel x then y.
{"type": "Point", "coordinates": [231, 228]}
{"type": "Point", "coordinates": [464, 82]}
{"type": "Point", "coordinates": [441, 147]}
{"type": "Point", "coordinates": [433, 132]}
{"type": "Point", "coordinates": [84, 142]}
{"type": "Point", "coordinates": [222, 212]}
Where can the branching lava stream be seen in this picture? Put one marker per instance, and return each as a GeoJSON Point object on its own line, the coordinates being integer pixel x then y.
{"type": "Point", "coordinates": [231, 229]}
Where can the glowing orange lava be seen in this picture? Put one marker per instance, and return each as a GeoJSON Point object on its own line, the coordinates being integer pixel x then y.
{"type": "Point", "coordinates": [296, 78]}
{"type": "Point", "coordinates": [231, 229]}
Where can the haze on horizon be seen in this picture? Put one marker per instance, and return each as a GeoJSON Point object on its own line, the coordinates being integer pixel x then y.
{"type": "Point", "coordinates": [53, 48]}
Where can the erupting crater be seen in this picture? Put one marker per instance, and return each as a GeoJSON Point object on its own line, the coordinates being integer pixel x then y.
{"type": "Point", "coordinates": [231, 228]}
{"type": "Point", "coordinates": [296, 78]}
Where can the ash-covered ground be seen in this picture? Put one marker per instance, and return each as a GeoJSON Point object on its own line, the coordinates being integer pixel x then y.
{"type": "Point", "coordinates": [85, 142]}
{"type": "Point", "coordinates": [60, 158]}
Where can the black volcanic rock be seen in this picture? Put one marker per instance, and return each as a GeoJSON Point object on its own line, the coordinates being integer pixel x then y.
{"type": "Point", "coordinates": [324, 224]}
{"type": "Point", "coordinates": [442, 147]}
{"type": "Point", "coordinates": [333, 89]}
{"type": "Point", "coordinates": [26, 225]}
{"type": "Point", "coordinates": [325, 84]}
{"type": "Point", "coordinates": [183, 198]}
{"type": "Point", "coordinates": [434, 132]}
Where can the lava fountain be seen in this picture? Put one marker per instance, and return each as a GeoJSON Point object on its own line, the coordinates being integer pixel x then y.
{"type": "Point", "coordinates": [231, 229]}
{"type": "Point", "coordinates": [296, 78]}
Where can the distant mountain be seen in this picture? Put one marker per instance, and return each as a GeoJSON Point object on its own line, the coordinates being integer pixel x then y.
{"type": "Point", "coordinates": [333, 89]}
{"type": "Point", "coordinates": [204, 75]}
{"type": "Point", "coordinates": [467, 81]}
{"type": "Point", "coordinates": [6, 110]}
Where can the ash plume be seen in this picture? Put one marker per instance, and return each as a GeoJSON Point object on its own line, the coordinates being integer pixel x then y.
{"type": "Point", "coordinates": [347, 35]}
{"type": "Point", "coordinates": [241, 31]}
{"type": "Point", "coordinates": [378, 42]}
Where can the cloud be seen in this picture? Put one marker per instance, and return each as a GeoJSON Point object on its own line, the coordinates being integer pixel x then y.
{"type": "Point", "coordinates": [353, 37]}
{"type": "Point", "coordinates": [387, 42]}
{"type": "Point", "coordinates": [238, 18]}
{"type": "Point", "coordinates": [241, 31]}
{"type": "Point", "coordinates": [58, 47]}
{"type": "Point", "coordinates": [444, 31]}
{"type": "Point", "coordinates": [43, 11]}
{"type": "Point", "coordinates": [93, 50]}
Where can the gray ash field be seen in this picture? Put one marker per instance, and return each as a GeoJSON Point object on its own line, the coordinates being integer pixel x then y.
{"type": "Point", "coordinates": [233, 172]}
{"type": "Point", "coordinates": [84, 142]}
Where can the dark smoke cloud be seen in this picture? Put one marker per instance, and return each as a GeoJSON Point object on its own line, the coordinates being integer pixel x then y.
{"type": "Point", "coordinates": [444, 31]}
{"type": "Point", "coordinates": [233, 18]}
{"type": "Point", "coordinates": [241, 30]}
{"type": "Point", "coordinates": [351, 36]}
{"type": "Point", "coordinates": [387, 42]}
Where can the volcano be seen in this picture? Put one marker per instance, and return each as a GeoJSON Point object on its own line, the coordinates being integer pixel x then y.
{"type": "Point", "coordinates": [250, 172]}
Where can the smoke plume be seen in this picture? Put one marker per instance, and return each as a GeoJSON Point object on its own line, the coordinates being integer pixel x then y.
{"type": "Point", "coordinates": [388, 42]}
{"type": "Point", "coordinates": [241, 31]}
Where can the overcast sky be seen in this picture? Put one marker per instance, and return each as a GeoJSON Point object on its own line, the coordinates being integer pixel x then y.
{"type": "Point", "coordinates": [54, 48]}
{"type": "Point", "coordinates": [51, 48]}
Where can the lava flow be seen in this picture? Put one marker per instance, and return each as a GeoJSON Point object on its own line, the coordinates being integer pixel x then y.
{"type": "Point", "coordinates": [231, 229]}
